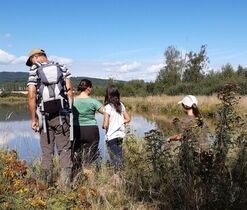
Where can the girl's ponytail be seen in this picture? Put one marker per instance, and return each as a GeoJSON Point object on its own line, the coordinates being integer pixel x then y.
{"type": "Point", "coordinates": [198, 115]}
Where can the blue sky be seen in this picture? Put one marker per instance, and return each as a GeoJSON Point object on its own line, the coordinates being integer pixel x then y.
{"type": "Point", "coordinates": [121, 39]}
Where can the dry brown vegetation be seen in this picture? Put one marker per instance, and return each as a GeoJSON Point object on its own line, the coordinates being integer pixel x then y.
{"type": "Point", "coordinates": [13, 100]}
{"type": "Point", "coordinates": [168, 104]}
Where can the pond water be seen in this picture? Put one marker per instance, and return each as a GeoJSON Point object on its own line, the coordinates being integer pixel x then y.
{"type": "Point", "coordinates": [16, 132]}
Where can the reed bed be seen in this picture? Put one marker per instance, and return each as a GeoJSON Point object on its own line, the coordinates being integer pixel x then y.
{"type": "Point", "coordinates": [168, 104]}
{"type": "Point", "coordinates": [155, 104]}
{"type": "Point", "coordinates": [13, 100]}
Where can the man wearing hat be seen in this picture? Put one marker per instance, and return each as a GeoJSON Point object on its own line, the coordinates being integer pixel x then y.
{"type": "Point", "coordinates": [53, 129]}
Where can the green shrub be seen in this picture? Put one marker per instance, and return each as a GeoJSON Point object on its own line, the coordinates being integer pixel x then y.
{"type": "Point", "coordinates": [180, 177]}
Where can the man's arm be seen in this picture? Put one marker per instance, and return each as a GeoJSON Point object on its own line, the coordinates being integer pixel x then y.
{"type": "Point", "coordinates": [69, 87]}
{"type": "Point", "coordinates": [32, 106]}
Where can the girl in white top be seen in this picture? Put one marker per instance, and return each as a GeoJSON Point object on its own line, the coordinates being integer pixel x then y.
{"type": "Point", "coordinates": [115, 118]}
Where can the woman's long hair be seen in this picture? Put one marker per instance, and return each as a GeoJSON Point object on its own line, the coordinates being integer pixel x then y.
{"type": "Point", "coordinates": [196, 113]}
{"type": "Point", "coordinates": [112, 97]}
{"type": "Point", "coordinates": [84, 84]}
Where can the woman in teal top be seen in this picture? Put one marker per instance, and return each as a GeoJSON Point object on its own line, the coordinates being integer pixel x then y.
{"type": "Point", "coordinates": [86, 130]}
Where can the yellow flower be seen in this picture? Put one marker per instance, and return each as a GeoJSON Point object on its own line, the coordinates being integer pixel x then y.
{"type": "Point", "coordinates": [24, 190]}
{"type": "Point", "coordinates": [8, 172]}
{"type": "Point", "coordinates": [71, 196]}
{"type": "Point", "coordinates": [17, 184]}
{"type": "Point", "coordinates": [8, 158]}
{"type": "Point", "coordinates": [37, 202]}
{"type": "Point", "coordinates": [5, 205]}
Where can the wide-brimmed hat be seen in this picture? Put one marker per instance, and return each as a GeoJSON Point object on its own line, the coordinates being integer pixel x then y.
{"type": "Point", "coordinates": [189, 100]}
{"type": "Point", "coordinates": [32, 53]}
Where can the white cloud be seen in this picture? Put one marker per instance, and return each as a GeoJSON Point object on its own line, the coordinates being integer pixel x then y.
{"type": "Point", "coordinates": [5, 57]}
{"type": "Point", "coordinates": [155, 68]}
{"type": "Point", "coordinates": [145, 70]}
{"type": "Point", "coordinates": [120, 70]}
{"type": "Point", "coordinates": [20, 60]}
{"type": "Point", "coordinates": [9, 62]}
{"type": "Point", "coordinates": [120, 54]}
{"type": "Point", "coordinates": [112, 63]}
{"type": "Point", "coordinates": [132, 66]}
{"type": "Point", "coordinates": [121, 67]}
{"type": "Point", "coordinates": [61, 60]}
{"type": "Point", "coordinates": [9, 133]}
{"type": "Point", "coordinates": [84, 68]}
{"type": "Point", "coordinates": [5, 36]}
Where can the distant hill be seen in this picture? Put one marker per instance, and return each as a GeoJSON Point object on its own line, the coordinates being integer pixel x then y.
{"type": "Point", "coordinates": [13, 76]}
{"type": "Point", "coordinates": [21, 77]}
{"type": "Point", "coordinates": [95, 81]}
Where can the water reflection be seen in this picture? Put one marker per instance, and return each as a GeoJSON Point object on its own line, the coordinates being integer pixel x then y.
{"type": "Point", "coordinates": [16, 132]}
{"type": "Point", "coordinates": [18, 135]}
{"type": "Point", "coordinates": [162, 122]}
{"type": "Point", "coordinates": [14, 113]}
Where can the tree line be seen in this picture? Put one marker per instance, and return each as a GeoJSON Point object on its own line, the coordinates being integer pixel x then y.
{"type": "Point", "coordinates": [187, 74]}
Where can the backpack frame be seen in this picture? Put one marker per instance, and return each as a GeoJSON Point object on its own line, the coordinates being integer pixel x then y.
{"type": "Point", "coordinates": [52, 97]}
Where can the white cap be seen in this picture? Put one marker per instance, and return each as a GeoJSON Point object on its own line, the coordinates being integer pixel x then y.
{"type": "Point", "coordinates": [189, 100]}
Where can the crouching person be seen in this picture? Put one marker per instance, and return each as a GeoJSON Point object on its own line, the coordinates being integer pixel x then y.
{"type": "Point", "coordinates": [49, 94]}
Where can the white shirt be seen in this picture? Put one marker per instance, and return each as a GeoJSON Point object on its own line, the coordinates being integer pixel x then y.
{"type": "Point", "coordinates": [116, 128]}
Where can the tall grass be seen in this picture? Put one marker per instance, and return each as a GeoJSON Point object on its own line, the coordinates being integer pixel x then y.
{"type": "Point", "coordinates": [13, 99]}
{"type": "Point", "coordinates": [168, 104]}
{"type": "Point", "coordinates": [21, 188]}
{"type": "Point", "coordinates": [180, 177]}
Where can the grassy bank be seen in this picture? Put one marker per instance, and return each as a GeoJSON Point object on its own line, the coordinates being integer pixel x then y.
{"type": "Point", "coordinates": [168, 104]}
{"type": "Point", "coordinates": [150, 104]}
{"type": "Point", "coordinates": [21, 188]}
{"type": "Point", "coordinates": [13, 100]}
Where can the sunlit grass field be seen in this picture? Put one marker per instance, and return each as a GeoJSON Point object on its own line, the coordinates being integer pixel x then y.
{"type": "Point", "coordinates": [13, 100]}
{"type": "Point", "coordinates": [155, 104]}
{"type": "Point", "coordinates": [169, 104]}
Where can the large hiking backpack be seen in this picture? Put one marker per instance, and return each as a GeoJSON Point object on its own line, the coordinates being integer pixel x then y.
{"type": "Point", "coordinates": [52, 94]}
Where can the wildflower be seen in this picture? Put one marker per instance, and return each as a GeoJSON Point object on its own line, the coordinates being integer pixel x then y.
{"type": "Point", "coordinates": [24, 190]}
{"type": "Point", "coordinates": [17, 184]}
{"type": "Point", "coordinates": [6, 205]}
{"type": "Point", "coordinates": [71, 196]}
{"type": "Point", "coordinates": [8, 158]}
{"type": "Point", "coordinates": [88, 173]}
{"type": "Point", "coordinates": [37, 202]}
{"type": "Point", "coordinates": [8, 172]}
{"type": "Point", "coordinates": [83, 194]}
